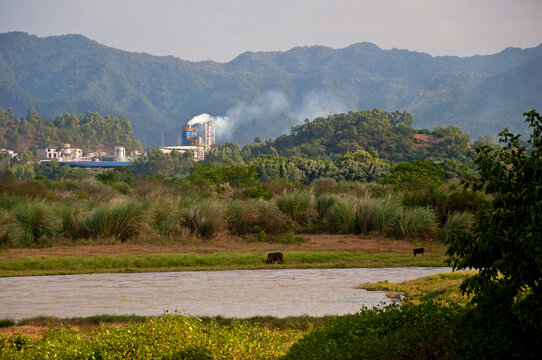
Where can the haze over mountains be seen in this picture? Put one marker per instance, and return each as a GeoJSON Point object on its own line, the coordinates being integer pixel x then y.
{"type": "Point", "coordinates": [265, 93]}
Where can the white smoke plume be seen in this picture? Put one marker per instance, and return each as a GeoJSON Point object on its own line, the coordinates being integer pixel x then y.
{"type": "Point", "coordinates": [319, 103]}
{"type": "Point", "coordinates": [200, 119]}
{"type": "Point", "coordinates": [267, 106]}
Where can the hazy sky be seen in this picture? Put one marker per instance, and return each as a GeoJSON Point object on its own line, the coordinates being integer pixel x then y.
{"type": "Point", "coordinates": [222, 29]}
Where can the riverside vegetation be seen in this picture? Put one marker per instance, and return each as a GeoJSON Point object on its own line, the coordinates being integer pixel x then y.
{"type": "Point", "coordinates": [115, 207]}
{"type": "Point", "coordinates": [501, 239]}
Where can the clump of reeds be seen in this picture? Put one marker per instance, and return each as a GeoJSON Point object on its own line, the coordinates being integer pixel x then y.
{"type": "Point", "coordinates": [299, 205]}
{"type": "Point", "coordinates": [242, 217]}
{"type": "Point", "coordinates": [72, 223]}
{"type": "Point", "coordinates": [255, 216]}
{"type": "Point", "coordinates": [416, 222]}
{"type": "Point", "coordinates": [7, 226]}
{"type": "Point", "coordinates": [324, 202]}
{"type": "Point", "coordinates": [456, 221]}
{"type": "Point", "coordinates": [204, 217]}
{"type": "Point", "coordinates": [122, 221]}
{"type": "Point", "coordinates": [33, 220]}
{"type": "Point", "coordinates": [341, 217]}
{"type": "Point", "coordinates": [382, 213]}
{"type": "Point", "coordinates": [365, 218]}
{"type": "Point", "coordinates": [165, 217]}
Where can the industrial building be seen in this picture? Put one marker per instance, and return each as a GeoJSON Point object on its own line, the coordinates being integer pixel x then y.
{"type": "Point", "coordinates": [191, 142]}
{"type": "Point", "coordinates": [66, 153]}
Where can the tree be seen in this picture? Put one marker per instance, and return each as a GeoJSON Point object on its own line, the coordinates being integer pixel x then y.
{"type": "Point", "coordinates": [505, 245]}
{"type": "Point", "coordinates": [415, 175]}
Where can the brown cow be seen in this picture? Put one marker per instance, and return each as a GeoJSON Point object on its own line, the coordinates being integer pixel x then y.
{"type": "Point", "coordinates": [278, 257]}
{"type": "Point", "coordinates": [419, 251]}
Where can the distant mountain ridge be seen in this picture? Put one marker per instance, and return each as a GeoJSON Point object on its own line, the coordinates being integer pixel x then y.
{"type": "Point", "coordinates": [265, 93]}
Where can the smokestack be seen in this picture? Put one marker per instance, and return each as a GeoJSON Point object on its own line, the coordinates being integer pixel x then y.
{"type": "Point", "coordinates": [209, 134]}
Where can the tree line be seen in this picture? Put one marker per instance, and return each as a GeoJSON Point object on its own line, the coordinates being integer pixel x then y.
{"type": "Point", "coordinates": [88, 132]}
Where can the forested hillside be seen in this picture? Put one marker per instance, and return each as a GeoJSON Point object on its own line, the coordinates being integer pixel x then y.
{"type": "Point", "coordinates": [88, 132]}
{"type": "Point", "coordinates": [266, 93]}
{"type": "Point", "coordinates": [387, 135]}
{"type": "Point", "coordinates": [356, 146]}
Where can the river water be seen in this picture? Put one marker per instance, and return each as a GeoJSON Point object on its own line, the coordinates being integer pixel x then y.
{"type": "Point", "coordinates": [242, 293]}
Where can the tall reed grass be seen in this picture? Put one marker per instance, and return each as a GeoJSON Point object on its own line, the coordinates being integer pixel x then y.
{"type": "Point", "coordinates": [341, 217]}
{"type": "Point", "coordinates": [122, 221]}
{"type": "Point", "coordinates": [416, 222]}
{"type": "Point", "coordinates": [165, 216]}
{"type": "Point", "coordinates": [365, 217]}
{"type": "Point", "coordinates": [33, 220]}
{"type": "Point", "coordinates": [72, 222]}
{"type": "Point", "coordinates": [457, 221]}
{"type": "Point", "coordinates": [204, 217]}
{"type": "Point", "coordinates": [7, 226]}
{"type": "Point", "coordinates": [255, 216]}
{"type": "Point", "coordinates": [300, 205]}
{"type": "Point", "coordinates": [382, 213]}
{"type": "Point", "coordinates": [324, 202]}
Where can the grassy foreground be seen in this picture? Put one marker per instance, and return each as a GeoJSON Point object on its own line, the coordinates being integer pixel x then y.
{"type": "Point", "coordinates": [170, 336]}
{"type": "Point", "coordinates": [56, 265]}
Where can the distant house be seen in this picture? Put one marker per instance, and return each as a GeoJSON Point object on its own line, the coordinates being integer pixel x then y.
{"type": "Point", "coordinates": [48, 153]}
{"type": "Point", "coordinates": [65, 153]}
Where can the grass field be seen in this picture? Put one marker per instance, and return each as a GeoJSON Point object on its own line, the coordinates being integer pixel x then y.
{"type": "Point", "coordinates": [318, 251]}
{"type": "Point", "coordinates": [443, 287]}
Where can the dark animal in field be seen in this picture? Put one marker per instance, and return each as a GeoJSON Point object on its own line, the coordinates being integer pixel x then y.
{"type": "Point", "coordinates": [278, 257]}
{"type": "Point", "coordinates": [419, 251]}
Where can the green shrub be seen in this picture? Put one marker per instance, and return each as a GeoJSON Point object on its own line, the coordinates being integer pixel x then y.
{"type": "Point", "coordinates": [341, 217]}
{"type": "Point", "coordinates": [299, 205]}
{"type": "Point", "coordinates": [18, 342]}
{"type": "Point", "coordinates": [165, 337]}
{"type": "Point", "coordinates": [416, 222]}
{"type": "Point", "coordinates": [193, 353]}
{"type": "Point", "coordinates": [378, 191]}
{"type": "Point", "coordinates": [6, 323]}
{"type": "Point", "coordinates": [445, 199]}
{"type": "Point", "coordinates": [425, 331]}
{"type": "Point", "coordinates": [290, 239]}
{"type": "Point", "coordinates": [323, 186]}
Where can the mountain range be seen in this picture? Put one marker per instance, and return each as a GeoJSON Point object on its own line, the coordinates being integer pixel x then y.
{"type": "Point", "coordinates": [264, 94]}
